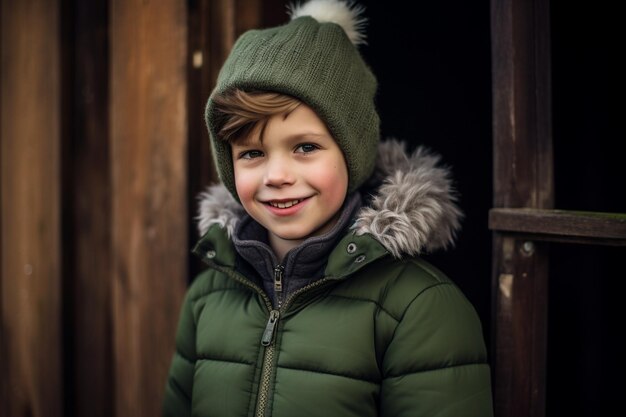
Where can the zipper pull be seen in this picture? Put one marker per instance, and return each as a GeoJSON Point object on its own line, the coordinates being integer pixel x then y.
{"type": "Point", "coordinates": [268, 334]}
{"type": "Point", "coordinates": [278, 278]}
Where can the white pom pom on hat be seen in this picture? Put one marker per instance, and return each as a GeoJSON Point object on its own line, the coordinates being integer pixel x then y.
{"type": "Point", "coordinates": [344, 13]}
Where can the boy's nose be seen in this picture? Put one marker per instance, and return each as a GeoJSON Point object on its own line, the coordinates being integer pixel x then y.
{"type": "Point", "coordinates": [278, 173]}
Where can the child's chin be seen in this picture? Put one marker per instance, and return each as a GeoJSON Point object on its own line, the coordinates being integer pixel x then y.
{"type": "Point", "coordinates": [291, 235]}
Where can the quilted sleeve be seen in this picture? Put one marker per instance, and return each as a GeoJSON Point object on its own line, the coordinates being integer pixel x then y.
{"type": "Point", "coordinates": [436, 364]}
{"type": "Point", "coordinates": [177, 401]}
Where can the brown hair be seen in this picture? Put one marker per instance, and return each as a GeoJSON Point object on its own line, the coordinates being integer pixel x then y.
{"type": "Point", "coordinates": [239, 112]}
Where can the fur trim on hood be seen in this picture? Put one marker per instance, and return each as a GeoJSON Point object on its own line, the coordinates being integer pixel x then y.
{"type": "Point", "coordinates": [412, 208]}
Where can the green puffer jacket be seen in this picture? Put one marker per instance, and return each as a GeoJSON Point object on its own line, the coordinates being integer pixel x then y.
{"type": "Point", "coordinates": [384, 333]}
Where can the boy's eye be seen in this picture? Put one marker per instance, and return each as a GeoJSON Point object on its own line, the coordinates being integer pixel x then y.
{"type": "Point", "coordinates": [307, 148]}
{"type": "Point", "coordinates": [250, 154]}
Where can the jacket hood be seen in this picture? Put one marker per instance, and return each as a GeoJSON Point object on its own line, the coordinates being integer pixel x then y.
{"type": "Point", "coordinates": [410, 204]}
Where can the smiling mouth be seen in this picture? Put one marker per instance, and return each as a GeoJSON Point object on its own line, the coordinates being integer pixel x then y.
{"type": "Point", "coordinates": [284, 204]}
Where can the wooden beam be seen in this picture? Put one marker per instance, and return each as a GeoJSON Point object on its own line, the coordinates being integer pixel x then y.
{"type": "Point", "coordinates": [591, 225]}
{"type": "Point", "coordinates": [522, 128]}
{"type": "Point", "coordinates": [30, 174]}
{"type": "Point", "coordinates": [149, 189]}
{"type": "Point", "coordinates": [523, 177]}
{"type": "Point", "coordinates": [520, 314]}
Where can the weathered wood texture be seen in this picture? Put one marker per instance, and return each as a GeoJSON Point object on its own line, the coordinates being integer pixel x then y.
{"type": "Point", "coordinates": [31, 362]}
{"type": "Point", "coordinates": [523, 177]}
{"type": "Point", "coordinates": [95, 104]}
{"type": "Point", "coordinates": [149, 188]}
{"type": "Point", "coordinates": [88, 243]}
{"type": "Point", "coordinates": [520, 308]}
{"type": "Point", "coordinates": [523, 174]}
{"type": "Point", "coordinates": [605, 227]}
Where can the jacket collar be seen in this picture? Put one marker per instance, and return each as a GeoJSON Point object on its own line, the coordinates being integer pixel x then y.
{"type": "Point", "coordinates": [410, 205]}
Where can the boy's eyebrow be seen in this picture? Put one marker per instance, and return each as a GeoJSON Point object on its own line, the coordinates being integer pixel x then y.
{"type": "Point", "coordinates": [297, 137]}
{"type": "Point", "coordinates": [303, 135]}
{"type": "Point", "coordinates": [291, 138]}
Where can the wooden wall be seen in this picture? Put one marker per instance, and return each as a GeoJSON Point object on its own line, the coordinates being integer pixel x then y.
{"type": "Point", "coordinates": [103, 150]}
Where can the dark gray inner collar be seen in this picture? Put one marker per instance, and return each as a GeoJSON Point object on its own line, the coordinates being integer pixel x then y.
{"type": "Point", "coordinates": [303, 263]}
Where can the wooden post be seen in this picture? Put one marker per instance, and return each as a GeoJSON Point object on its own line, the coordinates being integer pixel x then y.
{"type": "Point", "coordinates": [520, 316]}
{"type": "Point", "coordinates": [522, 178]}
{"type": "Point", "coordinates": [30, 336]}
{"type": "Point", "coordinates": [149, 188]}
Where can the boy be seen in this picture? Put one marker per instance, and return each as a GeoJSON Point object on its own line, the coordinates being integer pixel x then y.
{"type": "Point", "coordinates": [315, 302]}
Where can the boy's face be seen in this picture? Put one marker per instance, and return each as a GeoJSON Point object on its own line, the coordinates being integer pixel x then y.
{"type": "Point", "coordinates": [295, 180]}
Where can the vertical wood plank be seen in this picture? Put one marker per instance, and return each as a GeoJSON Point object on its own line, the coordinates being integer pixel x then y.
{"type": "Point", "coordinates": [523, 177]}
{"type": "Point", "coordinates": [521, 104]}
{"type": "Point", "coordinates": [520, 315]}
{"type": "Point", "coordinates": [149, 145]}
{"type": "Point", "coordinates": [30, 194]}
{"type": "Point", "coordinates": [88, 225]}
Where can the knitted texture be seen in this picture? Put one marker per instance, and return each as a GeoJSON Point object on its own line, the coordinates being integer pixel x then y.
{"type": "Point", "coordinates": [316, 63]}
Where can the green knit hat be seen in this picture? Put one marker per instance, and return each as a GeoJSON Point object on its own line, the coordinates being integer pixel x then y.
{"type": "Point", "coordinates": [314, 59]}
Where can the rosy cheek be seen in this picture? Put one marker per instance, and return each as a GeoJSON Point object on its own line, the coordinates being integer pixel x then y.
{"type": "Point", "coordinates": [335, 182]}
{"type": "Point", "coordinates": [245, 187]}
{"type": "Point", "coordinates": [245, 195]}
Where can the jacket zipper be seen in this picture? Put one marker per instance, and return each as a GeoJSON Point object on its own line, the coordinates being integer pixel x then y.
{"type": "Point", "coordinates": [268, 359]}
{"type": "Point", "coordinates": [278, 283]}
{"type": "Point", "coordinates": [270, 329]}
{"type": "Point", "coordinates": [267, 341]}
